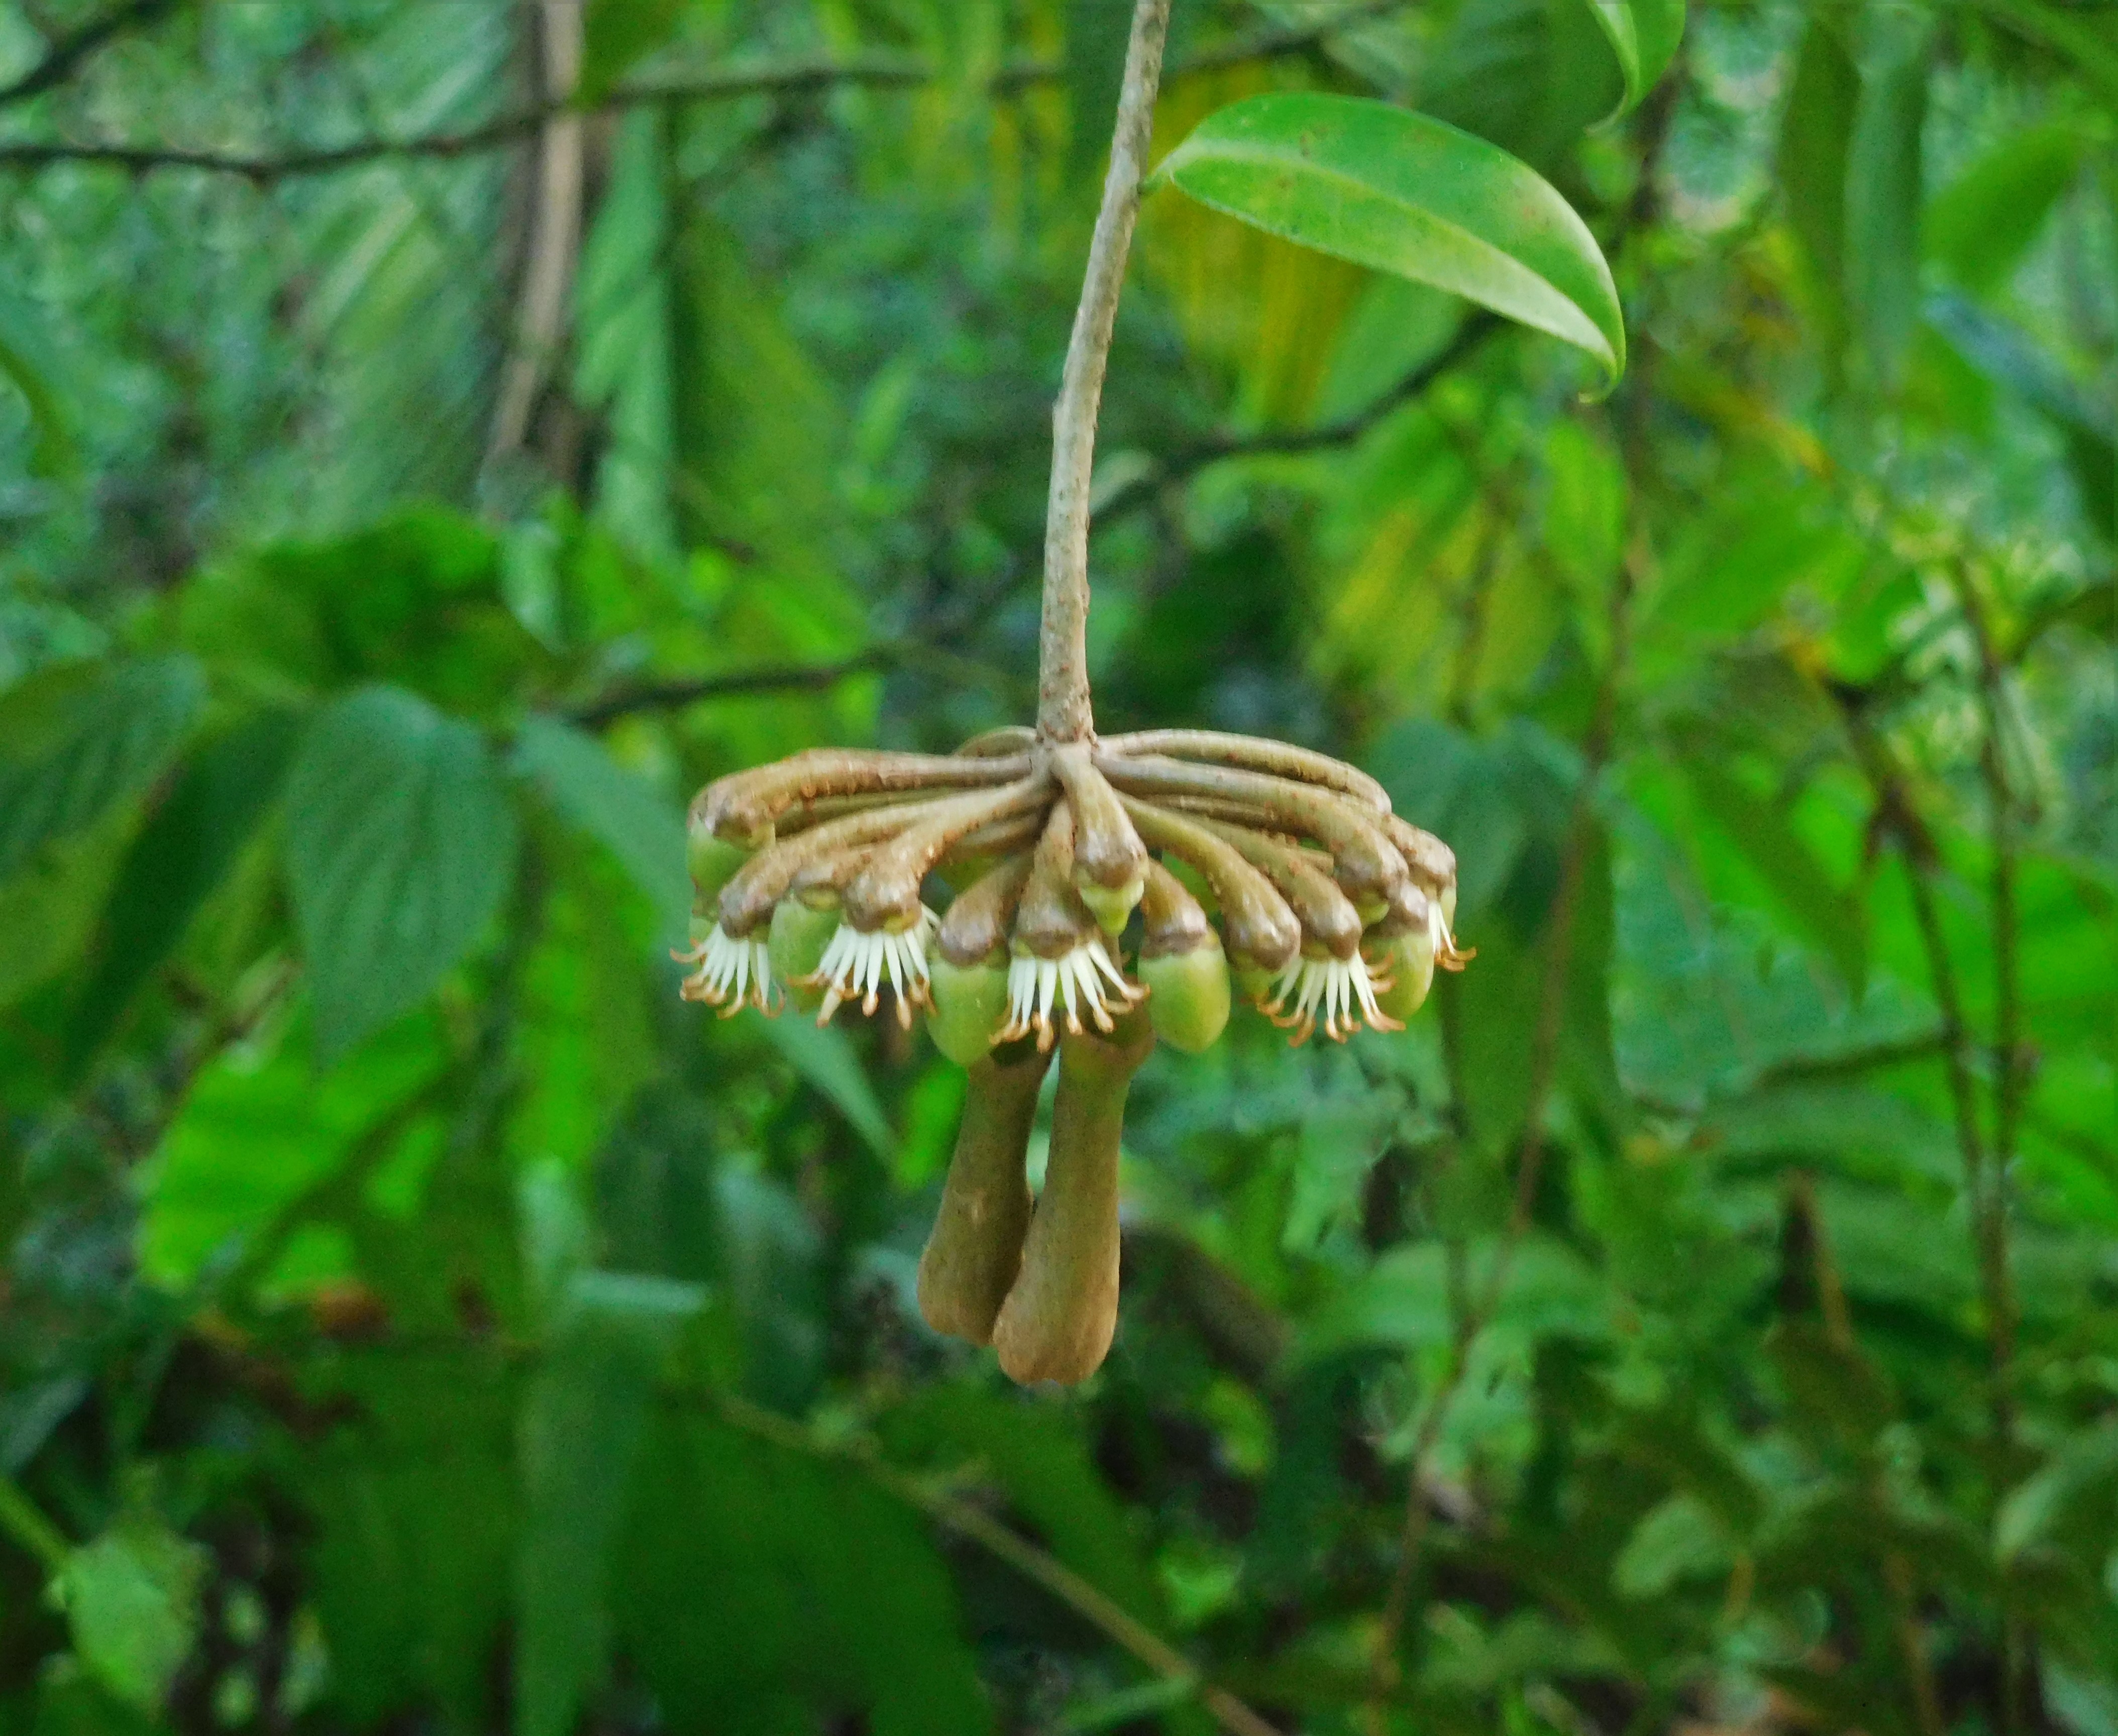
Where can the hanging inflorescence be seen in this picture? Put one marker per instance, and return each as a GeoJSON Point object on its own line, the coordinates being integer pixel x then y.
{"type": "Point", "coordinates": [1109, 893]}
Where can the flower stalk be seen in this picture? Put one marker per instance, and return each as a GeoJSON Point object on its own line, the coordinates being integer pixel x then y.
{"type": "Point", "coordinates": [1095, 897]}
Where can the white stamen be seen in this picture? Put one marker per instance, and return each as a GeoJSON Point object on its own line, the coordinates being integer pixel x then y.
{"type": "Point", "coordinates": [855, 966]}
{"type": "Point", "coordinates": [1087, 978]}
{"type": "Point", "coordinates": [726, 970]}
{"type": "Point", "coordinates": [1447, 953]}
{"type": "Point", "coordinates": [1342, 988]}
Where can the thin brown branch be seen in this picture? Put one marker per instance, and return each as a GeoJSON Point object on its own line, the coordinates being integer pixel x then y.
{"type": "Point", "coordinates": [1062, 661]}
{"type": "Point", "coordinates": [672, 695]}
{"type": "Point", "coordinates": [1006, 1546]}
{"type": "Point", "coordinates": [791, 79]}
{"type": "Point", "coordinates": [504, 130]}
{"type": "Point", "coordinates": [66, 56]}
{"type": "Point", "coordinates": [1187, 460]}
{"type": "Point", "coordinates": [1800, 1068]}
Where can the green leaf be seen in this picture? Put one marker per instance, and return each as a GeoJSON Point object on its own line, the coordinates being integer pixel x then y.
{"type": "Point", "coordinates": [2083, 1464]}
{"type": "Point", "coordinates": [76, 739]}
{"type": "Point", "coordinates": [1095, 69]}
{"type": "Point", "coordinates": [1402, 193]}
{"type": "Point", "coordinates": [615, 35]}
{"type": "Point", "coordinates": [1830, 915]}
{"type": "Point", "coordinates": [1883, 197]}
{"type": "Point", "coordinates": [1814, 132]}
{"type": "Point", "coordinates": [2073, 34]}
{"type": "Point", "coordinates": [826, 1060]}
{"type": "Point", "coordinates": [1644, 34]}
{"type": "Point", "coordinates": [582, 1419]}
{"type": "Point", "coordinates": [1038, 1460]}
{"type": "Point", "coordinates": [629, 819]}
{"type": "Point", "coordinates": [24, 360]}
{"type": "Point", "coordinates": [1980, 226]}
{"type": "Point", "coordinates": [1528, 76]}
{"type": "Point", "coordinates": [2007, 357]}
{"type": "Point", "coordinates": [179, 856]}
{"type": "Point", "coordinates": [401, 845]}
{"type": "Point", "coordinates": [760, 1585]}
{"type": "Point", "coordinates": [1680, 1539]}
{"type": "Point", "coordinates": [132, 1601]}
{"type": "Point", "coordinates": [415, 1505]}
{"type": "Point", "coordinates": [48, 911]}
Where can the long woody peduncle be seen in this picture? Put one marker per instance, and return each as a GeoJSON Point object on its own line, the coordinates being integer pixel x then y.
{"type": "Point", "coordinates": [1063, 712]}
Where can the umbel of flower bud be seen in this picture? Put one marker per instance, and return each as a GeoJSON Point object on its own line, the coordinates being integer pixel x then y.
{"type": "Point", "coordinates": [1109, 895]}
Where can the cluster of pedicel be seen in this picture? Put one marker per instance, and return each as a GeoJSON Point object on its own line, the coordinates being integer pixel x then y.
{"type": "Point", "coordinates": [1070, 858]}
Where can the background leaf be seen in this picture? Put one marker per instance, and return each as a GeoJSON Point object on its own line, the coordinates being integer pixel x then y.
{"type": "Point", "coordinates": [1645, 35]}
{"type": "Point", "coordinates": [646, 833]}
{"type": "Point", "coordinates": [74, 742]}
{"type": "Point", "coordinates": [400, 844]}
{"type": "Point", "coordinates": [132, 1599]}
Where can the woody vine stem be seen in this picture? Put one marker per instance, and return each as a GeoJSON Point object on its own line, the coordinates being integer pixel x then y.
{"type": "Point", "coordinates": [1063, 713]}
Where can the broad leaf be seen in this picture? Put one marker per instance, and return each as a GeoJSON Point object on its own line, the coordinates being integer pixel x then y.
{"type": "Point", "coordinates": [132, 1599]}
{"type": "Point", "coordinates": [1644, 34]}
{"type": "Point", "coordinates": [401, 845]}
{"type": "Point", "coordinates": [75, 741]}
{"type": "Point", "coordinates": [1402, 193]}
{"type": "Point", "coordinates": [759, 1586]}
{"type": "Point", "coordinates": [637, 826]}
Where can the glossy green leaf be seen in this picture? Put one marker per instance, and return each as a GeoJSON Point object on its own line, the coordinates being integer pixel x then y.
{"type": "Point", "coordinates": [1645, 35]}
{"type": "Point", "coordinates": [76, 739]}
{"type": "Point", "coordinates": [644, 831]}
{"type": "Point", "coordinates": [132, 1600]}
{"type": "Point", "coordinates": [1401, 192]}
{"type": "Point", "coordinates": [401, 846]}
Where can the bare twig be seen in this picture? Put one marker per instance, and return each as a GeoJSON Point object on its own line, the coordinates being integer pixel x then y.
{"type": "Point", "coordinates": [1062, 663]}
{"type": "Point", "coordinates": [65, 56]}
{"type": "Point", "coordinates": [1290, 442]}
{"type": "Point", "coordinates": [555, 237]}
{"type": "Point", "coordinates": [506, 129]}
{"type": "Point", "coordinates": [672, 695]}
{"type": "Point", "coordinates": [788, 79]}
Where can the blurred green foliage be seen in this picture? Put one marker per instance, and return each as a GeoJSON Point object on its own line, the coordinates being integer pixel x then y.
{"type": "Point", "coordinates": [413, 1319]}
